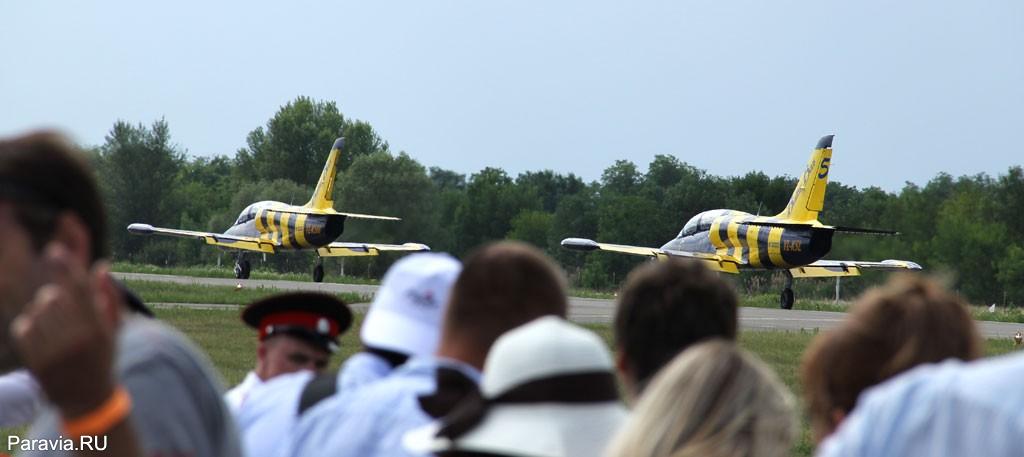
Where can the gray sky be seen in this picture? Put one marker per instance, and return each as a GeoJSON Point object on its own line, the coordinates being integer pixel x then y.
{"type": "Point", "coordinates": [910, 88]}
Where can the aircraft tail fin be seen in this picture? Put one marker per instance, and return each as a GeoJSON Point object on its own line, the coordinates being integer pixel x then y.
{"type": "Point", "coordinates": [323, 195]}
{"type": "Point", "coordinates": [809, 196]}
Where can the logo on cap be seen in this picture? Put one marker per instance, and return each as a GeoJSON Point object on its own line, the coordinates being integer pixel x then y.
{"type": "Point", "coordinates": [426, 298]}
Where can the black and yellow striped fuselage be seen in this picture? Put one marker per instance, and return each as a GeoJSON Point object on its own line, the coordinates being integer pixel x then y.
{"type": "Point", "coordinates": [286, 227]}
{"type": "Point", "coordinates": [733, 234]}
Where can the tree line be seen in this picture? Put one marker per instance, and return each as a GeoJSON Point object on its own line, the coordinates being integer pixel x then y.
{"type": "Point", "coordinates": [968, 228]}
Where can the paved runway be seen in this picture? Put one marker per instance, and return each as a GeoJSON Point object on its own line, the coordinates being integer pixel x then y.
{"type": "Point", "coordinates": [583, 310]}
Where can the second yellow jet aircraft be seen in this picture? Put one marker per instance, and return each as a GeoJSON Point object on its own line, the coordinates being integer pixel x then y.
{"type": "Point", "coordinates": [793, 241]}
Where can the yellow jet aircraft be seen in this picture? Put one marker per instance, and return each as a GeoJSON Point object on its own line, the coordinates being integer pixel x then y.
{"type": "Point", "coordinates": [793, 241]}
{"type": "Point", "coordinates": [270, 226]}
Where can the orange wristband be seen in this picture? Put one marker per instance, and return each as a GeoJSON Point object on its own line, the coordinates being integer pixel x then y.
{"type": "Point", "coordinates": [98, 421]}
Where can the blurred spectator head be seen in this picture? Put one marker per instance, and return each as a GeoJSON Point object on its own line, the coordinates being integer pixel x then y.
{"type": "Point", "coordinates": [47, 193]}
{"type": "Point", "coordinates": [548, 389]}
{"type": "Point", "coordinates": [890, 329]}
{"type": "Point", "coordinates": [405, 316]}
{"type": "Point", "coordinates": [714, 399]}
{"type": "Point", "coordinates": [502, 285]}
{"type": "Point", "coordinates": [665, 307]}
{"type": "Point", "coordinates": [43, 176]}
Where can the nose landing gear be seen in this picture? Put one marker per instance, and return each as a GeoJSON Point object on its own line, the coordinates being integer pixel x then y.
{"type": "Point", "coordinates": [242, 267]}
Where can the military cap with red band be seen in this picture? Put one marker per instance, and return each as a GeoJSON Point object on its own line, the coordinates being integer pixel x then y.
{"type": "Point", "coordinates": [315, 317]}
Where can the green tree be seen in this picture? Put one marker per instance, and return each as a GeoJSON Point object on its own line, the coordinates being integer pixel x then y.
{"type": "Point", "coordinates": [451, 195]}
{"type": "Point", "coordinates": [576, 217]}
{"type": "Point", "coordinates": [492, 200]}
{"type": "Point", "coordinates": [531, 226]}
{"type": "Point", "coordinates": [1011, 274]}
{"type": "Point", "coordinates": [388, 185]}
{"type": "Point", "coordinates": [966, 238]}
{"type": "Point", "coordinates": [297, 140]}
{"type": "Point", "coordinates": [447, 179]}
{"type": "Point", "coordinates": [622, 178]}
{"type": "Point", "coordinates": [206, 188]}
{"type": "Point", "coordinates": [138, 172]}
{"type": "Point", "coordinates": [280, 190]}
{"type": "Point", "coordinates": [549, 187]}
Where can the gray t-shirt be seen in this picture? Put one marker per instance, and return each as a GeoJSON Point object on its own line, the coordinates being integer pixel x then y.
{"type": "Point", "coordinates": [177, 406]}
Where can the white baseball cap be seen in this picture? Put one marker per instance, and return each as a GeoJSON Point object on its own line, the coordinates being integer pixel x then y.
{"type": "Point", "coordinates": [406, 313]}
{"type": "Point", "coordinates": [548, 390]}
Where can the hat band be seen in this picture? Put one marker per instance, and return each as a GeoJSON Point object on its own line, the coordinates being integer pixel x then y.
{"type": "Point", "coordinates": [592, 387]}
{"type": "Point", "coordinates": [313, 322]}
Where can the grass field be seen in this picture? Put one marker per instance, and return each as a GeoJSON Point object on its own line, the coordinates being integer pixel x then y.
{"type": "Point", "coordinates": [226, 271]}
{"type": "Point", "coordinates": [165, 292]}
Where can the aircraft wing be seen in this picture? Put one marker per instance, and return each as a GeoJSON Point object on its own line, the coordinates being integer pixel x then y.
{"type": "Point", "coordinates": [345, 249]}
{"type": "Point", "coordinates": [712, 261]}
{"type": "Point", "coordinates": [245, 243]}
{"type": "Point", "coordinates": [832, 268]}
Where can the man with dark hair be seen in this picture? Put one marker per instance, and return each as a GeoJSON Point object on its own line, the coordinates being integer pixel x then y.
{"type": "Point", "coordinates": [663, 308]}
{"type": "Point", "coordinates": [502, 286]}
{"type": "Point", "coordinates": [113, 377]}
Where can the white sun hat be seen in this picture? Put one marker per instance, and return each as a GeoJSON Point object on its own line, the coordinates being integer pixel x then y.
{"type": "Point", "coordinates": [548, 390]}
{"type": "Point", "coordinates": [406, 312]}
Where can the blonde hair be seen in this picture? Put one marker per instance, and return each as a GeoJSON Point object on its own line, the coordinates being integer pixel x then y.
{"type": "Point", "coordinates": [713, 399]}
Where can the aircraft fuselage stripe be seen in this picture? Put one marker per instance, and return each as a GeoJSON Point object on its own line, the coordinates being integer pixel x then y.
{"type": "Point", "coordinates": [741, 234]}
{"type": "Point", "coordinates": [276, 224]}
{"type": "Point", "coordinates": [261, 224]}
{"type": "Point", "coordinates": [753, 256]}
{"type": "Point", "coordinates": [734, 239]}
{"type": "Point", "coordinates": [775, 247]}
{"type": "Point", "coordinates": [715, 234]}
{"type": "Point", "coordinates": [300, 231]}
{"type": "Point", "coordinates": [286, 238]}
{"type": "Point", "coordinates": [271, 228]}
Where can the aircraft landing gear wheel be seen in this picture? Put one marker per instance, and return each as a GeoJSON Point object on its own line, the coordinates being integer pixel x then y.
{"type": "Point", "coordinates": [318, 273]}
{"type": "Point", "coordinates": [786, 299]}
{"type": "Point", "coordinates": [242, 269]}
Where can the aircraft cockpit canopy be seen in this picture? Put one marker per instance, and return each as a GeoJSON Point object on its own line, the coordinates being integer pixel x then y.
{"type": "Point", "coordinates": [249, 213]}
{"type": "Point", "coordinates": [702, 222]}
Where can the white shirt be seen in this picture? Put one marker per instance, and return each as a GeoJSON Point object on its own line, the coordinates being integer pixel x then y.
{"type": "Point", "coordinates": [372, 421]}
{"type": "Point", "coordinates": [270, 411]}
{"type": "Point", "coordinates": [949, 409]}
{"type": "Point", "coordinates": [238, 394]}
{"type": "Point", "coordinates": [20, 399]}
